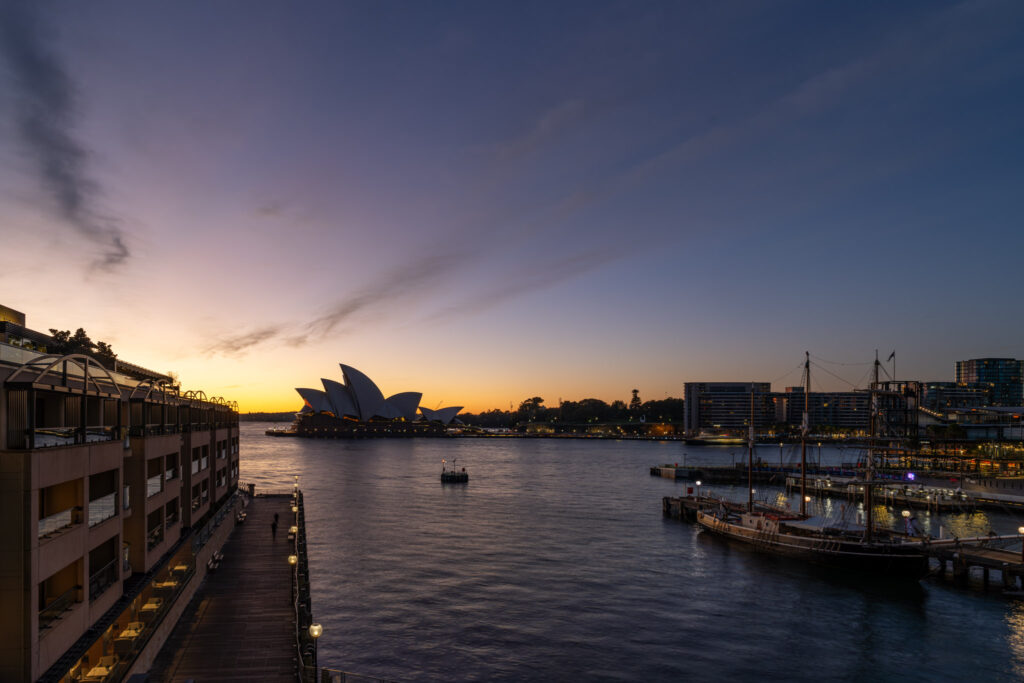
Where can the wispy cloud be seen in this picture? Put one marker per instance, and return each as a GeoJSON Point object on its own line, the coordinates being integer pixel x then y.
{"type": "Point", "coordinates": [46, 113]}
{"type": "Point", "coordinates": [399, 283]}
{"type": "Point", "coordinates": [552, 123]}
{"type": "Point", "coordinates": [235, 344]}
{"type": "Point", "coordinates": [538, 277]}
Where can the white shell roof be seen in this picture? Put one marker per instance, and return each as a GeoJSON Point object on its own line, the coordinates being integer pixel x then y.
{"type": "Point", "coordinates": [360, 398]}
{"type": "Point", "coordinates": [315, 399]}
{"type": "Point", "coordinates": [405, 404]}
{"type": "Point", "coordinates": [340, 398]}
{"type": "Point", "coordinates": [443, 415]}
{"type": "Point", "coordinates": [369, 399]}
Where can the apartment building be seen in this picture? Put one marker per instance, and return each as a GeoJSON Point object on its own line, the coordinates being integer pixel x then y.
{"type": "Point", "coordinates": [720, 407]}
{"type": "Point", "coordinates": [114, 487]}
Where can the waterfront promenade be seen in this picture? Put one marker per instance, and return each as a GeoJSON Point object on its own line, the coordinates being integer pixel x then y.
{"type": "Point", "coordinates": [241, 624]}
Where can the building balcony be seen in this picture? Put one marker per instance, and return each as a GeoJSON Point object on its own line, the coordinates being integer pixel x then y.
{"type": "Point", "coordinates": [56, 523]}
{"type": "Point", "coordinates": [103, 579]}
{"type": "Point", "coordinates": [154, 485]}
{"type": "Point", "coordinates": [154, 538]}
{"type": "Point", "coordinates": [50, 437]}
{"type": "Point", "coordinates": [58, 607]}
{"type": "Point", "coordinates": [102, 509]}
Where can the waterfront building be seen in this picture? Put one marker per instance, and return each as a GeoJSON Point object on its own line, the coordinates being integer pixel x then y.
{"type": "Point", "coordinates": [358, 408]}
{"type": "Point", "coordinates": [1003, 376]}
{"type": "Point", "coordinates": [941, 396]}
{"type": "Point", "coordinates": [113, 485]}
{"type": "Point", "coordinates": [848, 410]}
{"type": "Point", "coordinates": [724, 407]}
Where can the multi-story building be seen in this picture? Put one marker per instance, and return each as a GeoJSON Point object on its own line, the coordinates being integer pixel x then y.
{"type": "Point", "coordinates": [941, 396]}
{"type": "Point", "coordinates": [835, 409]}
{"type": "Point", "coordinates": [112, 489]}
{"type": "Point", "coordinates": [725, 407]}
{"type": "Point", "coordinates": [1004, 378]}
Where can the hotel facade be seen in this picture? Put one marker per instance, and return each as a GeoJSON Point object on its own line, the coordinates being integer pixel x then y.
{"type": "Point", "coordinates": [115, 491]}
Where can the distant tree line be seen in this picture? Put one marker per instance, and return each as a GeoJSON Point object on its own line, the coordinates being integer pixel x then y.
{"type": "Point", "coordinates": [592, 410]}
{"type": "Point", "coordinates": [286, 416]}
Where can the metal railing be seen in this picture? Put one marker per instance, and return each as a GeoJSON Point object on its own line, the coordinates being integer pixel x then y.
{"type": "Point", "coordinates": [302, 600]}
{"type": "Point", "coordinates": [154, 485]}
{"type": "Point", "coordinates": [54, 523]}
{"type": "Point", "coordinates": [58, 606]}
{"type": "Point", "coordinates": [155, 537]}
{"type": "Point", "coordinates": [103, 579]}
{"type": "Point", "coordinates": [102, 509]}
{"type": "Point", "coordinates": [49, 437]}
{"type": "Point", "coordinates": [200, 537]}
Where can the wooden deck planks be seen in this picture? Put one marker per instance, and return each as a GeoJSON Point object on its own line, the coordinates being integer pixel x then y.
{"type": "Point", "coordinates": [241, 624]}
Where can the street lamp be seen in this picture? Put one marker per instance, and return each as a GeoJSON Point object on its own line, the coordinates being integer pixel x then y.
{"type": "Point", "coordinates": [1020, 530]}
{"type": "Point", "coordinates": [293, 560]}
{"type": "Point", "coordinates": [315, 631]}
{"type": "Point", "coordinates": [293, 530]}
{"type": "Point", "coordinates": [698, 488]}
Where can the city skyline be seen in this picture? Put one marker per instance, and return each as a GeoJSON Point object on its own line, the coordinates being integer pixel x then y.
{"type": "Point", "coordinates": [494, 202]}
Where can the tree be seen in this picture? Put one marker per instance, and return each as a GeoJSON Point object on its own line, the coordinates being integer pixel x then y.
{"type": "Point", "coordinates": [634, 403]}
{"type": "Point", "coordinates": [531, 409]}
{"type": "Point", "coordinates": [64, 343]}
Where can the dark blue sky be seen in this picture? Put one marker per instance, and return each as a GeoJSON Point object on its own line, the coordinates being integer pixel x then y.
{"type": "Point", "coordinates": [554, 198]}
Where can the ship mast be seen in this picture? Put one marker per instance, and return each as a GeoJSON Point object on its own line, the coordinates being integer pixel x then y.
{"type": "Point", "coordinates": [804, 428]}
{"type": "Point", "coordinates": [870, 469]}
{"type": "Point", "coordinates": [750, 455]}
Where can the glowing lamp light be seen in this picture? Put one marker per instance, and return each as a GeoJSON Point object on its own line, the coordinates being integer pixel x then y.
{"type": "Point", "coordinates": [315, 631]}
{"type": "Point", "coordinates": [911, 476]}
{"type": "Point", "coordinates": [293, 530]}
{"type": "Point", "coordinates": [697, 482]}
{"type": "Point", "coordinates": [1020, 530]}
{"type": "Point", "coordinates": [293, 560]}
{"type": "Point", "coordinates": [295, 508]}
{"type": "Point", "coordinates": [807, 499]}
{"type": "Point", "coordinates": [906, 513]}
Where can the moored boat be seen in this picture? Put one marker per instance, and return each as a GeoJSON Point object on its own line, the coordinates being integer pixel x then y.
{"type": "Point", "coordinates": [453, 475]}
{"type": "Point", "coordinates": [864, 549]}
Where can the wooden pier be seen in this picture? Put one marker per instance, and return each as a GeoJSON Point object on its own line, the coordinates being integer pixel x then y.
{"type": "Point", "coordinates": [957, 557]}
{"type": "Point", "coordinates": [241, 624]}
{"type": "Point", "coordinates": [954, 557]}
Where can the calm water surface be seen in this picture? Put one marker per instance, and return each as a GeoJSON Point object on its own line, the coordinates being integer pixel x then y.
{"type": "Point", "coordinates": [555, 563]}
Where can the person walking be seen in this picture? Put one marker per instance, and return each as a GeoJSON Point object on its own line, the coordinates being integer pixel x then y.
{"type": "Point", "coordinates": [273, 529]}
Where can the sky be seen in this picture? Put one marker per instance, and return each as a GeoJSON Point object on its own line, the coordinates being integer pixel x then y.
{"type": "Point", "coordinates": [491, 201]}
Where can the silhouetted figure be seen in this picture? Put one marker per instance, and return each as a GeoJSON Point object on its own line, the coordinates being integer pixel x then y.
{"type": "Point", "coordinates": [273, 529]}
{"type": "Point", "coordinates": [275, 518]}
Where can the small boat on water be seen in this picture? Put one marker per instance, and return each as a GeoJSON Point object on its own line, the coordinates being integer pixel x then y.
{"type": "Point", "coordinates": [879, 552]}
{"type": "Point", "coordinates": [453, 475]}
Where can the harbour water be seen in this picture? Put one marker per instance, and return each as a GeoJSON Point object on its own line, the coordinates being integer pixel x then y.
{"type": "Point", "coordinates": [555, 563]}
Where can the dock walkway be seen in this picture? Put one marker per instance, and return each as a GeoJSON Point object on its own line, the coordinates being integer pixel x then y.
{"type": "Point", "coordinates": [241, 624]}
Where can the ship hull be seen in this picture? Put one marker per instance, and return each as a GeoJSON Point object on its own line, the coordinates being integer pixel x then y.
{"type": "Point", "coordinates": [891, 560]}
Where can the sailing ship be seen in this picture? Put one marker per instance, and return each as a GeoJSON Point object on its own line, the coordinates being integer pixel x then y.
{"type": "Point", "coordinates": [864, 549]}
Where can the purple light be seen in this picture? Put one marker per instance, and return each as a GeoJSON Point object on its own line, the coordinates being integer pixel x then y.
{"type": "Point", "coordinates": [911, 476]}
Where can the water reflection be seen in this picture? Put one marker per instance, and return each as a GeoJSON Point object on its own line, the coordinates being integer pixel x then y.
{"type": "Point", "coordinates": [555, 563]}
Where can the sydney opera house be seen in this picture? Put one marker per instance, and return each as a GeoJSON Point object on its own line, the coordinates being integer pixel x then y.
{"type": "Point", "coordinates": [357, 408]}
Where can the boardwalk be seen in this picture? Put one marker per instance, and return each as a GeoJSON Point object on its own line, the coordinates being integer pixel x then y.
{"type": "Point", "coordinates": [241, 624]}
